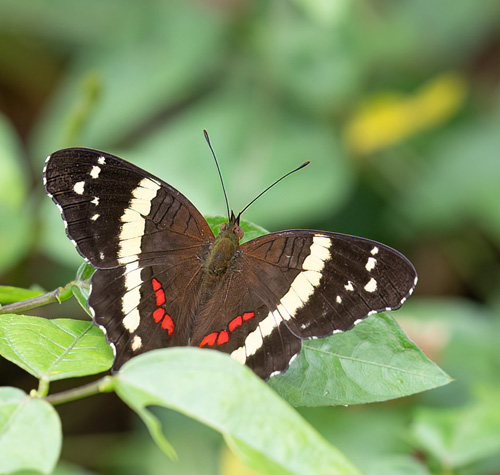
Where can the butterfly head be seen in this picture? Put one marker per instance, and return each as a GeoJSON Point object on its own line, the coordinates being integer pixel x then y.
{"type": "Point", "coordinates": [232, 227]}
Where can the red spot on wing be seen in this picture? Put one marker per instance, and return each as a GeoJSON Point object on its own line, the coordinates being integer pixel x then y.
{"type": "Point", "coordinates": [158, 314]}
{"type": "Point", "coordinates": [168, 324]}
{"type": "Point", "coordinates": [156, 284]}
{"type": "Point", "coordinates": [235, 323]}
{"type": "Point", "coordinates": [209, 339]}
{"type": "Point", "coordinates": [248, 315]}
{"type": "Point", "coordinates": [160, 297]}
{"type": "Point", "coordinates": [223, 337]}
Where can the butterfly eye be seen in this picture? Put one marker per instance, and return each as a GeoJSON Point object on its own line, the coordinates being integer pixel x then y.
{"type": "Point", "coordinates": [238, 231]}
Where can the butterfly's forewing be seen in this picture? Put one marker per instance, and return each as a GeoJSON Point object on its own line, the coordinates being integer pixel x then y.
{"type": "Point", "coordinates": [146, 240]}
{"type": "Point", "coordinates": [306, 284]}
{"type": "Point", "coordinates": [109, 206]}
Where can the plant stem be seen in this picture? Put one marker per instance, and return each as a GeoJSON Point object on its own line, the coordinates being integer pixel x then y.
{"type": "Point", "coordinates": [58, 295]}
{"type": "Point", "coordinates": [103, 385]}
{"type": "Point", "coordinates": [43, 387]}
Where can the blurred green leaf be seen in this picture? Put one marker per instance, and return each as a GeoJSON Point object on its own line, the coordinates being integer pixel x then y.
{"type": "Point", "coordinates": [135, 454]}
{"type": "Point", "coordinates": [459, 183]}
{"type": "Point", "coordinates": [9, 294]}
{"type": "Point", "coordinates": [168, 67]}
{"type": "Point", "coordinates": [374, 361]}
{"type": "Point", "coordinates": [16, 220]}
{"type": "Point", "coordinates": [376, 428]}
{"type": "Point", "coordinates": [231, 394]}
{"type": "Point", "coordinates": [459, 437]}
{"type": "Point", "coordinates": [462, 336]}
{"type": "Point", "coordinates": [310, 58]}
{"type": "Point", "coordinates": [30, 433]}
{"type": "Point", "coordinates": [397, 465]}
{"type": "Point", "coordinates": [54, 349]}
{"type": "Point", "coordinates": [64, 468]}
{"type": "Point", "coordinates": [253, 458]}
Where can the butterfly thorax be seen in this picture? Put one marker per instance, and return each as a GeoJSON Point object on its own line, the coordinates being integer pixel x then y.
{"type": "Point", "coordinates": [221, 255]}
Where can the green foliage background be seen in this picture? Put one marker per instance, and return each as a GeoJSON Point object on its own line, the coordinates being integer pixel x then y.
{"type": "Point", "coordinates": [397, 105]}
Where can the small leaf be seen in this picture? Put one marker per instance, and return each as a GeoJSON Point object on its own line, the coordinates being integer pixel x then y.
{"type": "Point", "coordinates": [30, 433]}
{"type": "Point", "coordinates": [54, 349]}
{"type": "Point", "coordinates": [216, 390]}
{"type": "Point", "coordinates": [375, 361]}
{"type": "Point", "coordinates": [10, 294]}
{"type": "Point", "coordinates": [81, 287]}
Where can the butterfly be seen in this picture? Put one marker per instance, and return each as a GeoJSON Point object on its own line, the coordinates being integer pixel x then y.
{"type": "Point", "coordinates": [163, 279]}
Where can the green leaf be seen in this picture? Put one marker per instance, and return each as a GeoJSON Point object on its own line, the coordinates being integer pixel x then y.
{"type": "Point", "coordinates": [54, 349]}
{"type": "Point", "coordinates": [375, 361]}
{"type": "Point", "coordinates": [30, 433]}
{"type": "Point", "coordinates": [10, 294]}
{"type": "Point", "coordinates": [216, 390]}
{"type": "Point", "coordinates": [461, 436]}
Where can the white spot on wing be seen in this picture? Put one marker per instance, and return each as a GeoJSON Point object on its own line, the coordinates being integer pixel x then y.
{"type": "Point", "coordinates": [370, 264]}
{"type": "Point", "coordinates": [253, 342]}
{"type": "Point", "coordinates": [94, 218]}
{"type": "Point", "coordinates": [305, 282]}
{"type": "Point", "coordinates": [239, 355]}
{"type": "Point", "coordinates": [349, 287]}
{"type": "Point", "coordinates": [374, 251]}
{"type": "Point", "coordinates": [136, 343]}
{"type": "Point", "coordinates": [101, 161]}
{"type": "Point", "coordinates": [338, 299]}
{"type": "Point", "coordinates": [132, 297]}
{"type": "Point", "coordinates": [267, 325]}
{"type": "Point", "coordinates": [94, 173]}
{"type": "Point", "coordinates": [79, 187]}
{"type": "Point", "coordinates": [371, 286]}
{"type": "Point", "coordinates": [95, 201]}
{"type": "Point", "coordinates": [134, 223]}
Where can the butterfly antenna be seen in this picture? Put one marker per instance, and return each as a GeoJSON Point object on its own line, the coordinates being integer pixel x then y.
{"type": "Point", "coordinates": [207, 138]}
{"type": "Point", "coordinates": [269, 187]}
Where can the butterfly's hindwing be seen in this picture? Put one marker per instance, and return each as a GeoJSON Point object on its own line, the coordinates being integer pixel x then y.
{"type": "Point", "coordinates": [143, 308]}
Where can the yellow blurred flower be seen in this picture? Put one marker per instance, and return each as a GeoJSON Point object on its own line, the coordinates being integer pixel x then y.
{"type": "Point", "coordinates": [390, 118]}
